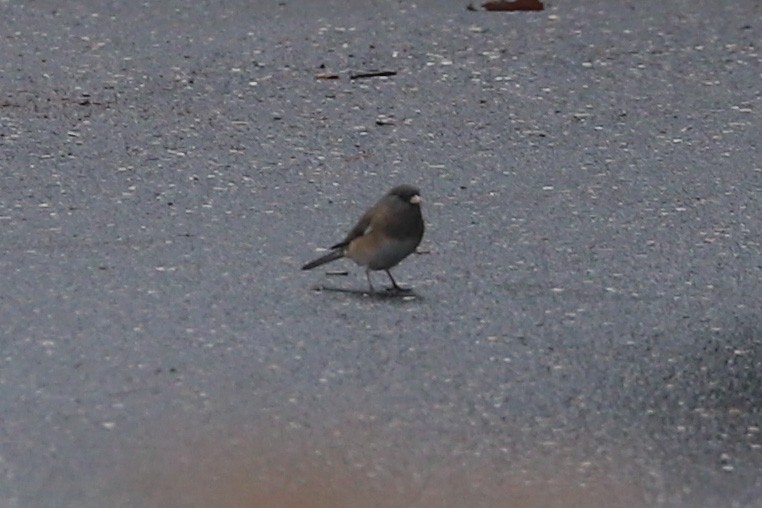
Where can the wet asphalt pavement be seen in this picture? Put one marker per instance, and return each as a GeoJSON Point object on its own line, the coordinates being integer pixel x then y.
{"type": "Point", "coordinates": [585, 324]}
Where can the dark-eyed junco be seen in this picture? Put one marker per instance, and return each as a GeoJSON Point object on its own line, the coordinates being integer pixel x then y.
{"type": "Point", "coordinates": [385, 235]}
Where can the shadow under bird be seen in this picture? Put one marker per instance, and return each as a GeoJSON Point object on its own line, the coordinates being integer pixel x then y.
{"type": "Point", "coordinates": [385, 235]}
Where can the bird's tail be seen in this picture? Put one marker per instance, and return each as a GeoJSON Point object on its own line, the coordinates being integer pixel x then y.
{"type": "Point", "coordinates": [331, 256]}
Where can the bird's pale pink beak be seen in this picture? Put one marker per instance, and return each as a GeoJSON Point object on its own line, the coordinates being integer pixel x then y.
{"type": "Point", "coordinates": [416, 200]}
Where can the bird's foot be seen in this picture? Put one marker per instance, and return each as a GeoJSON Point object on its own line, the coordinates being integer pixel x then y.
{"type": "Point", "coordinates": [398, 289]}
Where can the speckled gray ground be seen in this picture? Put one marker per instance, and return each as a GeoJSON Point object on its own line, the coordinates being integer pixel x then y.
{"type": "Point", "coordinates": [585, 329]}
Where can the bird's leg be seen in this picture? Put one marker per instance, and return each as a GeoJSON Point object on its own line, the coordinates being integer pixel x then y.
{"type": "Point", "coordinates": [370, 284]}
{"type": "Point", "coordinates": [395, 287]}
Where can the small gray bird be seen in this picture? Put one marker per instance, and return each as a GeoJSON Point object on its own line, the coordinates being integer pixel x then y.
{"type": "Point", "coordinates": [385, 235]}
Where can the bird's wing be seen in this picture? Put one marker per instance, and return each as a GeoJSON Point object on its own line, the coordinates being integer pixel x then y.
{"type": "Point", "coordinates": [362, 227]}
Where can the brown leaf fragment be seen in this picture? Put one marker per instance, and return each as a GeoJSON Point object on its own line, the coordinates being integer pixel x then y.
{"type": "Point", "coordinates": [513, 5]}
